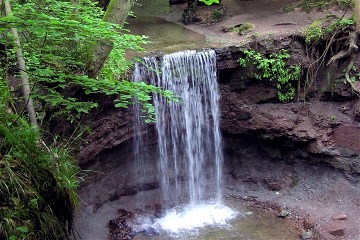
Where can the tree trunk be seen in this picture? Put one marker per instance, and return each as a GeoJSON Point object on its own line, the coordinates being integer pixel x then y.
{"type": "Point", "coordinates": [116, 12]}
{"type": "Point", "coordinates": [22, 67]}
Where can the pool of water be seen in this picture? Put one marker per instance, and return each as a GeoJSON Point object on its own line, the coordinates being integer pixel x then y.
{"type": "Point", "coordinates": [166, 36]}
{"type": "Point", "coordinates": [249, 224]}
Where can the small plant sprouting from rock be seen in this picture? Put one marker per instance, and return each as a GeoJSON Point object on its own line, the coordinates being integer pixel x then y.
{"type": "Point", "coordinates": [217, 14]}
{"type": "Point", "coordinates": [321, 28]}
{"type": "Point", "coordinates": [274, 68]}
{"type": "Point", "coordinates": [242, 29]}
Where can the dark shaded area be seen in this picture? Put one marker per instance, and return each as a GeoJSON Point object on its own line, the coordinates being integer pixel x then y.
{"type": "Point", "coordinates": [119, 227]}
{"type": "Point", "coordinates": [173, 2]}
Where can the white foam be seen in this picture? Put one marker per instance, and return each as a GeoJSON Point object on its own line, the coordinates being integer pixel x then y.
{"type": "Point", "coordinates": [192, 217]}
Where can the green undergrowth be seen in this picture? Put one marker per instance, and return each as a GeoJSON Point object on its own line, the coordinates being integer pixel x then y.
{"type": "Point", "coordinates": [210, 2]}
{"type": "Point", "coordinates": [242, 29]}
{"type": "Point", "coordinates": [323, 27]}
{"type": "Point", "coordinates": [310, 5]}
{"type": "Point", "coordinates": [37, 183]}
{"type": "Point", "coordinates": [58, 48]}
{"type": "Point", "coordinates": [274, 68]}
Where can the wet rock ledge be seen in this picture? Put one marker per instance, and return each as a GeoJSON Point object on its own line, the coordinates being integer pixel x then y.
{"type": "Point", "coordinates": [323, 127]}
{"type": "Point", "coordinates": [307, 151]}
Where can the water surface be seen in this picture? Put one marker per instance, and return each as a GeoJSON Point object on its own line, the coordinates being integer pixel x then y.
{"type": "Point", "coordinates": [165, 36]}
{"type": "Point", "coordinates": [250, 224]}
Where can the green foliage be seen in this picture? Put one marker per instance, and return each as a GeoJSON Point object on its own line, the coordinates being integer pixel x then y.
{"type": "Point", "coordinates": [274, 68]}
{"type": "Point", "coordinates": [321, 28]}
{"type": "Point", "coordinates": [332, 117]}
{"type": "Point", "coordinates": [242, 29]}
{"type": "Point", "coordinates": [309, 5]}
{"type": "Point", "coordinates": [58, 38]}
{"type": "Point", "coordinates": [217, 14]}
{"type": "Point", "coordinates": [210, 2]}
{"type": "Point", "coordinates": [23, 231]}
{"type": "Point", "coordinates": [37, 183]}
{"type": "Point", "coordinates": [314, 31]}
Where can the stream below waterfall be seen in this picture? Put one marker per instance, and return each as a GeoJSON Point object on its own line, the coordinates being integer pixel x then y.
{"type": "Point", "coordinates": [250, 223]}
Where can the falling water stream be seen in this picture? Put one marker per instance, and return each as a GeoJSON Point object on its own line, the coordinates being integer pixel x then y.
{"type": "Point", "coordinates": [186, 143]}
{"type": "Point", "coordinates": [189, 142]}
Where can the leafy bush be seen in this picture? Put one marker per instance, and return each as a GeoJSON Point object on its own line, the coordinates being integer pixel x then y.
{"type": "Point", "coordinates": [210, 2]}
{"type": "Point", "coordinates": [58, 38]}
{"type": "Point", "coordinates": [274, 68]}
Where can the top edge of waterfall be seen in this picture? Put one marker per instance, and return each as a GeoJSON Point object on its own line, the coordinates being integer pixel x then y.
{"type": "Point", "coordinates": [183, 52]}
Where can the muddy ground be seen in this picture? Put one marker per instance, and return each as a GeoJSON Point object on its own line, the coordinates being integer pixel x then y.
{"type": "Point", "coordinates": [269, 18]}
{"type": "Point", "coordinates": [315, 195]}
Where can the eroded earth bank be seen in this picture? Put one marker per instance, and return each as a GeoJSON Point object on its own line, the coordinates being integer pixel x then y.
{"type": "Point", "coordinates": [300, 159]}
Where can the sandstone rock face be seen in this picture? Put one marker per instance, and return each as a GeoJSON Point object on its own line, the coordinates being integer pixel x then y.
{"type": "Point", "coordinates": [112, 129]}
{"type": "Point", "coordinates": [357, 111]}
{"type": "Point", "coordinates": [322, 129]}
{"type": "Point", "coordinates": [268, 145]}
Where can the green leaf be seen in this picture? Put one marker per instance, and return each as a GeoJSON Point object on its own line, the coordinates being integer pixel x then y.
{"type": "Point", "coordinates": [22, 229]}
{"type": "Point", "coordinates": [210, 2]}
{"type": "Point", "coordinates": [274, 68]}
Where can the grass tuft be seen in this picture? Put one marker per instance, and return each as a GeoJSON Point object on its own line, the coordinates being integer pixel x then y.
{"type": "Point", "coordinates": [37, 184]}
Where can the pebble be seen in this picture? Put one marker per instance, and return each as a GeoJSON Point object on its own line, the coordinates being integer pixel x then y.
{"type": "Point", "coordinates": [341, 216]}
{"type": "Point", "coordinates": [283, 213]}
{"type": "Point", "coordinates": [306, 235]}
{"type": "Point", "coordinates": [337, 232]}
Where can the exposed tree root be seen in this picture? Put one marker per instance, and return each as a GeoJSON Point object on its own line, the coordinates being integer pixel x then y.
{"type": "Point", "coordinates": [317, 63]}
{"type": "Point", "coordinates": [351, 53]}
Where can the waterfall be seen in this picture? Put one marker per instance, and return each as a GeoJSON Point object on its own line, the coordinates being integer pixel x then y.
{"type": "Point", "coordinates": [189, 142]}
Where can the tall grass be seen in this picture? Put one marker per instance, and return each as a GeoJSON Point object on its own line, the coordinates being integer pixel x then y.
{"type": "Point", "coordinates": [37, 183]}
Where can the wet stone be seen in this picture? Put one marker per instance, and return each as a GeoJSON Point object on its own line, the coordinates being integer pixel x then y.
{"type": "Point", "coordinates": [283, 214]}
{"type": "Point", "coordinates": [306, 235]}
{"type": "Point", "coordinates": [341, 216]}
{"type": "Point", "coordinates": [337, 232]}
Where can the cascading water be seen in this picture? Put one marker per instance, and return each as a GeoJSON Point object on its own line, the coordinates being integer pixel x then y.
{"type": "Point", "coordinates": [189, 141]}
